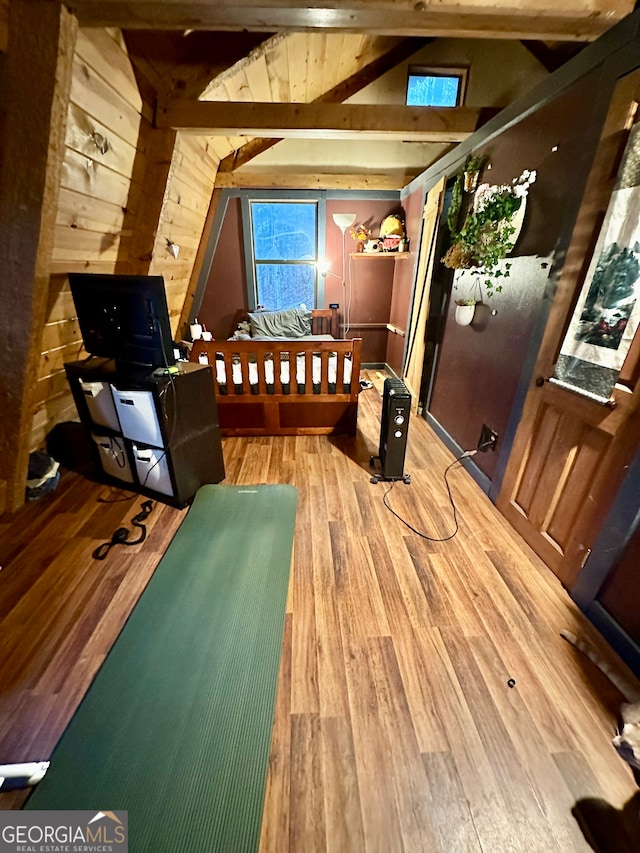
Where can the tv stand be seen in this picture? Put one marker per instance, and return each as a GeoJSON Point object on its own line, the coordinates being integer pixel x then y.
{"type": "Point", "coordinates": [153, 432]}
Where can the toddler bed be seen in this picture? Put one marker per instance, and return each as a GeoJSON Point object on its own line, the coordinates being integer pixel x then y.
{"type": "Point", "coordinates": [307, 384]}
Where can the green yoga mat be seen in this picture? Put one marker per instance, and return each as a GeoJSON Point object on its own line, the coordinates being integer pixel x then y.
{"type": "Point", "coordinates": [176, 726]}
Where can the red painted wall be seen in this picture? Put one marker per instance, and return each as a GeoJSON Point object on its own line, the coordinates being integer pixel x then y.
{"type": "Point", "coordinates": [226, 289]}
{"type": "Point", "coordinates": [364, 300]}
{"type": "Point", "coordinates": [479, 366]}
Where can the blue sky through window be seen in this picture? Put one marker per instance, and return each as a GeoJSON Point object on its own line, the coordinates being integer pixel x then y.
{"type": "Point", "coordinates": [284, 236]}
{"type": "Point", "coordinates": [432, 90]}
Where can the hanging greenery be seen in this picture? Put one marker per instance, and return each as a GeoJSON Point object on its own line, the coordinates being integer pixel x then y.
{"type": "Point", "coordinates": [453, 214]}
{"type": "Point", "coordinates": [471, 166]}
{"type": "Point", "coordinates": [485, 238]}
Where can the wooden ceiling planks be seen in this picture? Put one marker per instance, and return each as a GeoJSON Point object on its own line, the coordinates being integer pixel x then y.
{"type": "Point", "coordinates": [278, 70]}
{"type": "Point", "coordinates": [299, 67]}
{"type": "Point", "coordinates": [257, 77]}
{"type": "Point", "coordinates": [271, 72]}
{"type": "Point", "coordinates": [316, 65]}
{"type": "Point", "coordinates": [297, 45]}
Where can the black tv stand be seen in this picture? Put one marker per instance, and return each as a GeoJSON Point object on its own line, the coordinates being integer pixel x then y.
{"type": "Point", "coordinates": [158, 435]}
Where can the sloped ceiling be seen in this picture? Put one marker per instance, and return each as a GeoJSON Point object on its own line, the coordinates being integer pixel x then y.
{"type": "Point", "coordinates": [276, 51]}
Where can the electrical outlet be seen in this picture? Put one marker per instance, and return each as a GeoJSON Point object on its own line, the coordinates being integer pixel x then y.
{"type": "Point", "coordinates": [488, 439]}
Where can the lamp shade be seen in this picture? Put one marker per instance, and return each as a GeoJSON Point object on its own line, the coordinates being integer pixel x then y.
{"type": "Point", "coordinates": [344, 220]}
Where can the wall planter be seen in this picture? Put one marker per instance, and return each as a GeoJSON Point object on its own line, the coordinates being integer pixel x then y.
{"type": "Point", "coordinates": [465, 311]}
{"type": "Point", "coordinates": [490, 230]}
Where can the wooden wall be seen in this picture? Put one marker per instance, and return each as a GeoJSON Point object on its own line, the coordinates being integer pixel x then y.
{"type": "Point", "coordinates": [109, 176]}
{"type": "Point", "coordinates": [105, 112]}
{"type": "Point", "coordinates": [4, 25]}
{"type": "Point", "coordinates": [127, 188]}
{"type": "Point", "coordinates": [186, 202]}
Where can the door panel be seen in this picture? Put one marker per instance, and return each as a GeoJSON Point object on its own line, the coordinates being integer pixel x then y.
{"type": "Point", "coordinates": [570, 451]}
{"type": "Point", "coordinates": [555, 478]}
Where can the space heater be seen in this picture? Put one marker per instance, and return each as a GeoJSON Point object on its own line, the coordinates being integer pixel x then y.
{"type": "Point", "coordinates": [394, 426]}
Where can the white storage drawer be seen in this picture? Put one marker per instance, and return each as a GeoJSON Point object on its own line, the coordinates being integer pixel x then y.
{"type": "Point", "coordinates": [155, 434]}
{"type": "Point", "coordinates": [100, 403]}
{"type": "Point", "coordinates": [138, 416]}
{"type": "Point", "coordinates": [113, 456]}
{"type": "Point", "coordinates": [152, 468]}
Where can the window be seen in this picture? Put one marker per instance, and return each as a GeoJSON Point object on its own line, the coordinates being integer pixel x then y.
{"type": "Point", "coordinates": [284, 241]}
{"type": "Point", "coordinates": [436, 87]}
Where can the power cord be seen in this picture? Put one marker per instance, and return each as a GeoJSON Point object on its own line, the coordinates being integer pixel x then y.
{"type": "Point", "coordinates": [121, 535]}
{"type": "Point", "coordinates": [465, 455]}
{"type": "Point", "coordinates": [120, 496]}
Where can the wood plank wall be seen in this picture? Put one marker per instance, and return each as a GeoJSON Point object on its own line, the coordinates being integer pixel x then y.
{"type": "Point", "coordinates": [4, 25]}
{"type": "Point", "coordinates": [187, 196]}
{"type": "Point", "coordinates": [105, 181]}
{"type": "Point", "coordinates": [105, 112]}
{"type": "Point", "coordinates": [102, 185]}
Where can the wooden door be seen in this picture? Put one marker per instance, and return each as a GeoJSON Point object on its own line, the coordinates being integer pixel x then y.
{"type": "Point", "coordinates": [414, 356]}
{"type": "Point", "coordinates": [571, 449]}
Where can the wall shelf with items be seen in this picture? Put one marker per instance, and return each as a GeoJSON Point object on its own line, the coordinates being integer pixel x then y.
{"type": "Point", "coordinates": [397, 256]}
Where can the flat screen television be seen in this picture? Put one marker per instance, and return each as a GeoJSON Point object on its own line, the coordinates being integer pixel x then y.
{"type": "Point", "coordinates": [124, 317]}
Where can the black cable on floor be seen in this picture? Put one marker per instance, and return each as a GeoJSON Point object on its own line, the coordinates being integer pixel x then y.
{"type": "Point", "coordinates": [451, 501]}
{"type": "Point", "coordinates": [121, 535]}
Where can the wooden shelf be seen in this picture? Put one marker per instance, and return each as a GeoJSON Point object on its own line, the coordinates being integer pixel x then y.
{"type": "Point", "coordinates": [398, 256]}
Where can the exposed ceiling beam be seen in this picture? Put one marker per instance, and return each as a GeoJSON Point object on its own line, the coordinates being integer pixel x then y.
{"type": "Point", "coordinates": [547, 20]}
{"type": "Point", "coordinates": [322, 121]}
{"type": "Point", "coordinates": [256, 179]}
{"type": "Point", "coordinates": [339, 93]}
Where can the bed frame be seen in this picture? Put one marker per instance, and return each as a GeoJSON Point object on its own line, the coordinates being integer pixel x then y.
{"type": "Point", "coordinates": [294, 409]}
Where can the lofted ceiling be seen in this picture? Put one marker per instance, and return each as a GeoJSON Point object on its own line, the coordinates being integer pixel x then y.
{"type": "Point", "coordinates": [233, 71]}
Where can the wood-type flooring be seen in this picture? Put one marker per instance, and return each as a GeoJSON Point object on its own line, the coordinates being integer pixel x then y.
{"type": "Point", "coordinates": [396, 729]}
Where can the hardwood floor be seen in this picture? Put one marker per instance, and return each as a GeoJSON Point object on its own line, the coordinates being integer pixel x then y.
{"type": "Point", "coordinates": [395, 727]}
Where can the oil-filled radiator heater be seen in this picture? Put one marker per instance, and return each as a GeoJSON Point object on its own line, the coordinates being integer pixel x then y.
{"type": "Point", "coordinates": [394, 427]}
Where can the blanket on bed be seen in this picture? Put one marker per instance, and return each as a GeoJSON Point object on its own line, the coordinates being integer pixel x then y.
{"type": "Point", "coordinates": [288, 324]}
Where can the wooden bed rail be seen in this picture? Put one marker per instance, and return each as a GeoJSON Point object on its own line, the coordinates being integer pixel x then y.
{"type": "Point", "coordinates": [258, 402]}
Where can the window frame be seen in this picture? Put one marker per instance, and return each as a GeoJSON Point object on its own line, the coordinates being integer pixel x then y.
{"type": "Point", "coordinates": [274, 196]}
{"type": "Point", "coordinates": [458, 71]}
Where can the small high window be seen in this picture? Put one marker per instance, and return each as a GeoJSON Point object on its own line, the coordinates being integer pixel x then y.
{"type": "Point", "coordinates": [436, 87]}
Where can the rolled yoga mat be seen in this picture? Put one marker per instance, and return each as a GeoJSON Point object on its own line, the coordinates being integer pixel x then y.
{"type": "Point", "coordinates": [176, 726]}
